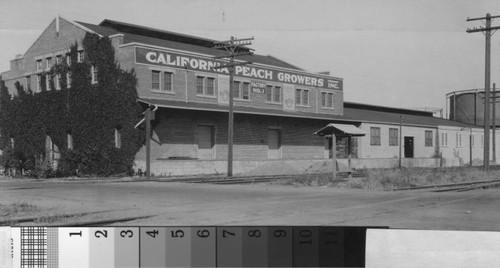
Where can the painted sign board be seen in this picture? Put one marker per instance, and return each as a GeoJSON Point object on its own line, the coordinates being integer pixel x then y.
{"type": "Point", "coordinates": [206, 64]}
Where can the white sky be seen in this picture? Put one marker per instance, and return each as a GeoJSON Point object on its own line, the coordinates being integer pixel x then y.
{"type": "Point", "coordinates": [398, 53]}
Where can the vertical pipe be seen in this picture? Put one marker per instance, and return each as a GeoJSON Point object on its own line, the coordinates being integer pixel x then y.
{"type": "Point", "coordinates": [399, 138]}
{"type": "Point", "coordinates": [349, 155]}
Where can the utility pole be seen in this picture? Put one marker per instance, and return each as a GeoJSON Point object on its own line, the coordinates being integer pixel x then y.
{"type": "Point", "coordinates": [487, 32]}
{"type": "Point", "coordinates": [493, 108]}
{"type": "Point", "coordinates": [234, 47]}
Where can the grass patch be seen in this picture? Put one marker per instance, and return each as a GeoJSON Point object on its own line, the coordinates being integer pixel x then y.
{"type": "Point", "coordinates": [18, 208]}
{"type": "Point", "coordinates": [388, 179]}
{"type": "Point", "coordinates": [60, 218]}
{"type": "Point", "coordinates": [305, 180]}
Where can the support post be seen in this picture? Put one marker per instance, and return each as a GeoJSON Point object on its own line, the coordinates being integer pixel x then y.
{"type": "Point", "coordinates": [349, 155]}
{"type": "Point", "coordinates": [399, 138]}
{"type": "Point", "coordinates": [487, 101]}
{"type": "Point", "coordinates": [334, 157]}
{"type": "Point", "coordinates": [148, 143]}
{"type": "Point", "coordinates": [470, 147]}
{"type": "Point", "coordinates": [230, 120]}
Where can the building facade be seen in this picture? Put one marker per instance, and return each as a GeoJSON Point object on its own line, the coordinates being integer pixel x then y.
{"type": "Point", "coordinates": [277, 106]}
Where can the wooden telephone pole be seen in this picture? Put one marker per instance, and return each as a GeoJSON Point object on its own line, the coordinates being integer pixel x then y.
{"type": "Point", "coordinates": [487, 102]}
{"type": "Point", "coordinates": [234, 47]}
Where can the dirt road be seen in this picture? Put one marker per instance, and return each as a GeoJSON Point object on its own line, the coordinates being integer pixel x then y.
{"type": "Point", "coordinates": [173, 203]}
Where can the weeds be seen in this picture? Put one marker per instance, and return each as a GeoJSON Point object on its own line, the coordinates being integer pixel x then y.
{"type": "Point", "coordinates": [17, 208]}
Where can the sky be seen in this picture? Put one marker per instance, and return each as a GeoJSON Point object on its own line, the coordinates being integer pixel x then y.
{"type": "Point", "coordinates": [396, 53]}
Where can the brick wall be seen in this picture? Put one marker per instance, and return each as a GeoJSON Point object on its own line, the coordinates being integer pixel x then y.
{"type": "Point", "coordinates": [175, 132]}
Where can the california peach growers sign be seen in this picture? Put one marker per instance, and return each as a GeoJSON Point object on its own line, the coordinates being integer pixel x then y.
{"type": "Point", "coordinates": [206, 64]}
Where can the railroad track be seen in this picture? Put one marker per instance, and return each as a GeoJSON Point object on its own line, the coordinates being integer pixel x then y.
{"type": "Point", "coordinates": [259, 179]}
{"type": "Point", "coordinates": [456, 187]}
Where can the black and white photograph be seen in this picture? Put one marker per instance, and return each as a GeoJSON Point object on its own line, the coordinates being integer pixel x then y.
{"type": "Point", "coordinates": [257, 133]}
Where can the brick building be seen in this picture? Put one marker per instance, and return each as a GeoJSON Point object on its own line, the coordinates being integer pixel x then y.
{"type": "Point", "coordinates": [277, 105]}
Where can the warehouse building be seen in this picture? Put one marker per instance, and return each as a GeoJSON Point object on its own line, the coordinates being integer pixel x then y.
{"type": "Point", "coordinates": [278, 108]}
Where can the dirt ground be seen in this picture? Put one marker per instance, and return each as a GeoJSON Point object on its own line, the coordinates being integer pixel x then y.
{"type": "Point", "coordinates": [162, 203]}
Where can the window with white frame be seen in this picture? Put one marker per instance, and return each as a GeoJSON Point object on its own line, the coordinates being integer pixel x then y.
{"type": "Point", "coordinates": [155, 80]}
{"type": "Point", "coordinates": [118, 138]}
{"type": "Point", "coordinates": [38, 82]}
{"type": "Point", "coordinates": [48, 63]}
{"type": "Point", "coordinates": [482, 140]}
{"type": "Point", "coordinates": [205, 86]}
{"type": "Point", "coordinates": [28, 82]}
{"type": "Point", "coordinates": [241, 90]}
{"type": "Point", "coordinates": [93, 72]}
{"type": "Point", "coordinates": [393, 137]}
{"type": "Point", "coordinates": [375, 136]}
{"type": "Point", "coordinates": [327, 100]}
{"type": "Point", "coordinates": [68, 79]}
{"type": "Point", "coordinates": [39, 65]}
{"type": "Point", "coordinates": [302, 97]}
{"type": "Point", "coordinates": [444, 139]}
{"type": "Point", "coordinates": [428, 138]}
{"type": "Point", "coordinates": [70, 140]}
{"type": "Point", "coordinates": [12, 142]}
{"type": "Point", "coordinates": [273, 94]}
{"type": "Point", "coordinates": [167, 81]}
{"type": "Point", "coordinates": [472, 140]}
{"type": "Point", "coordinates": [47, 82]}
{"type": "Point", "coordinates": [68, 59]}
{"type": "Point", "coordinates": [80, 56]}
{"type": "Point", "coordinates": [58, 59]}
{"type": "Point", "coordinates": [57, 81]}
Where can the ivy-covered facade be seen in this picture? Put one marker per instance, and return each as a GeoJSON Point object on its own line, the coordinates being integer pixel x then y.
{"type": "Point", "coordinates": [69, 111]}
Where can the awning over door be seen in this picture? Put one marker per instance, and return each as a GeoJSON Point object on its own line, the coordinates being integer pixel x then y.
{"type": "Point", "coordinates": [340, 130]}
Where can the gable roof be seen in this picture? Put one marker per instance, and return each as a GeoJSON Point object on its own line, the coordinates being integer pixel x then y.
{"type": "Point", "coordinates": [150, 36]}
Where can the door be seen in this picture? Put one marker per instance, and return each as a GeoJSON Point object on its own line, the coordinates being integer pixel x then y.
{"type": "Point", "coordinates": [408, 147]}
{"type": "Point", "coordinates": [274, 144]}
{"type": "Point", "coordinates": [205, 142]}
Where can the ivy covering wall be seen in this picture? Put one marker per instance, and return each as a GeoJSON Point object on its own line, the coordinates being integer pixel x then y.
{"type": "Point", "coordinates": [89, 112]}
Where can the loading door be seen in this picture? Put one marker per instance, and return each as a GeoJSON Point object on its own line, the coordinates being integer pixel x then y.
{"type": "Point", "coordinates": [408, 147]}
{"type": "Point", "coordinates": [205, 142]}
{"type": "Point", "coordinates": [274, 144]}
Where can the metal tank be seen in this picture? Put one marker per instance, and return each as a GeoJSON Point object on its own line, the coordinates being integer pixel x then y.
{"type": "Point", "coordinates": [467, 106]}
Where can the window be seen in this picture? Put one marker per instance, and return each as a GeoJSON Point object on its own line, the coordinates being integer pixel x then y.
{"type": "Point", "coordinates": [374, 136]}
{"type": "Point", "coordinates": [58, 59]}
{"type": "Point", "coordinates": [472, 140]}
{"type": "Point", "coordinates": [12, 142]}
{"type": "Point", "coordinates": [482, 140]}
{"type": "Point", "coordinates": [68, 59]}
{"type": "Point", "coordinates": [167, 81]}
{"type": "Point", "coordinates": [236, 90]}
{"type": "Point", "coordinates": [444, 139]}
{"type": "Point", "coordinates": [28, 82]}
{"type": "Point", "coordinates": [80, 56]}
{"type": "Point", "coordinates": [57, 81]}
{"type": "Point", "coordinates": [47, 82]}
{"type": "Point", "coordinates": [326, 100]}
{"type": "Point", "coordinates": [458, 139]}
{"type": "Point", "coordinates": [68, 79]}
{"type": "Point", "coordinates": [393, 137]}
{"type": "Point", "coordinates": [241, 90]}
{"type": "Point", "coordinates": [199, 85]}
{"type": "Point", "coordinates": [277, 94]}
{"type": "Point", "coordinates": [93, 72]}
{"type": "Point", "coordinates": [155, 80]}
{"type": "Point", "coordinates": [428, 138]}
{"type": "Point", "coordinates": [245, 91]}
{"type": "Point", "coordinates": [39, 65]}
{"type": "Point", "coordinates": [48, 63]}
{"type": "Point", "coordinates": [269, 93]}
{"type": "Point", "coordinates": [205, 86]}
{"type": "Point", "coordinates": [70, 141]}
{"type": "Point", "coordinates": [38, 82]}
{"type": "Point", "coordinates": [118, 138]}
{"type": "Point", "coordinates": [302, 97]}
{"type": "Point", "coordinates": [210, 86]}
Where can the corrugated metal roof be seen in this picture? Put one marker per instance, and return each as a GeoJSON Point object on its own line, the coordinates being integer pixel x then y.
{"type": "Point", "coordinates": [351, 115]}
{"type": "Point", "coordinates": [342, 129]}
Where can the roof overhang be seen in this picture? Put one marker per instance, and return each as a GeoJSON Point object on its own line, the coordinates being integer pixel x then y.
{"type": "Point", "coordinates": [340, 130]}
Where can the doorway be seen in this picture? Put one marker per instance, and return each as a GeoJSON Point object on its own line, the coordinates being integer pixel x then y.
{"type": "Point", "coordinates": [205, 142]}
{"type": "Point", "coordinates": [408, 147]}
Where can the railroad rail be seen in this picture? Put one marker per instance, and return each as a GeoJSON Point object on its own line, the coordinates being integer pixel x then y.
{"type": "Point", "coordinates": [455, 187]}
{"type": "Point", "coordinates": [260, 179]}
